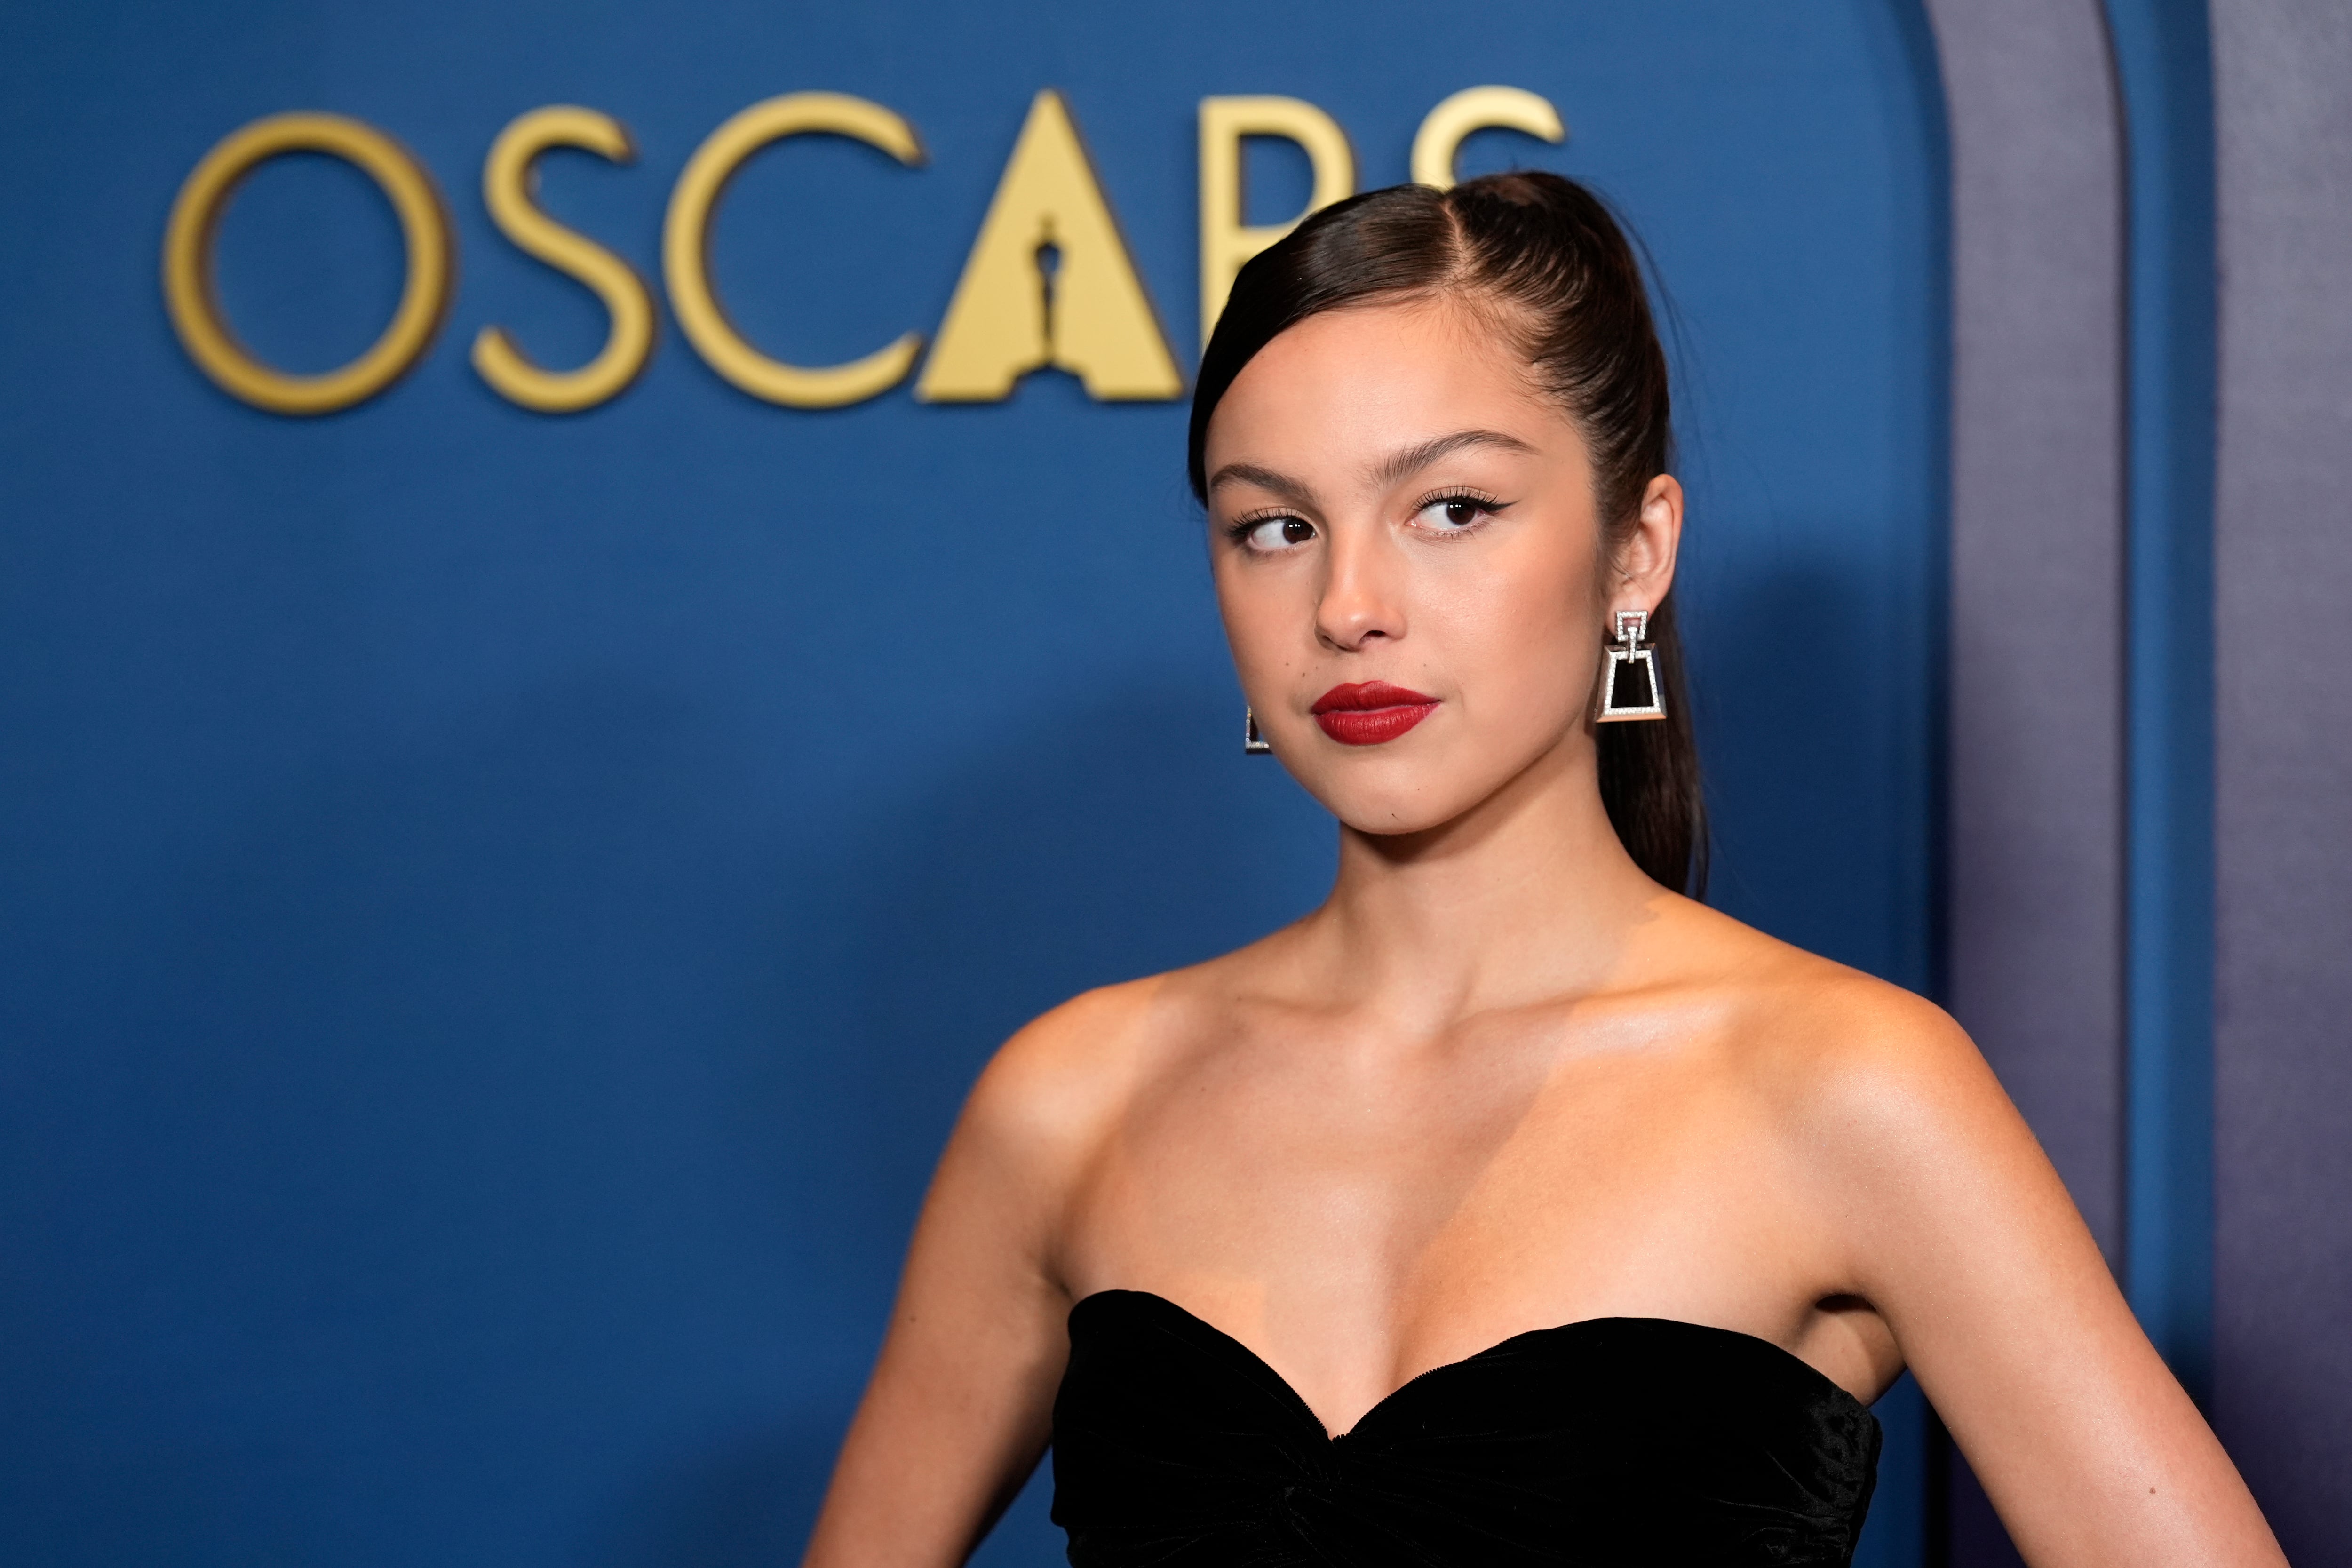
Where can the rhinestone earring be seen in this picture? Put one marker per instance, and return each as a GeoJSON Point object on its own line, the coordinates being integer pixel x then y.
{"type": "Point", "coordinates": [1630, 688]}
{"type": "Point", "coordinates": [1253, 744]}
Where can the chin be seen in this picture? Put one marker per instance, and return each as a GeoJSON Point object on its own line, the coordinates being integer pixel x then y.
{"type": "Point", "coordinates": [1403, 825]}
{"type": "Point", "coordinates": [1403, 792]}
{"type": "Point", "coordinates": [1394, 806]}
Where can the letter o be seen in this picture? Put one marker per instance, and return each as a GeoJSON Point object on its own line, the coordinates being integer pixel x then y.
{"type": "Point", "coordinates": [686, 265]}
{"type": "Point", "coordinates": [188, 244]}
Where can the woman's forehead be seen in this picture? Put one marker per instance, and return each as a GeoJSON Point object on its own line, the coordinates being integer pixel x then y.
{"type": "Point", "coordinates": [1347, 382]}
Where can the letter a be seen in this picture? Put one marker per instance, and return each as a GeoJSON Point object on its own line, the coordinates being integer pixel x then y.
{"type": "Point", "coordinates": [1049, 283]}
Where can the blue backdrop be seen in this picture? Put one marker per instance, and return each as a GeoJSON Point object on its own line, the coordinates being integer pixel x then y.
{"type": "Point", "coordinates": [500, 911]}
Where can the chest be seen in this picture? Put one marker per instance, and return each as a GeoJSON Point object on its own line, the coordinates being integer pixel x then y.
{"type": "Point", "coordinates": [1516, 1165]}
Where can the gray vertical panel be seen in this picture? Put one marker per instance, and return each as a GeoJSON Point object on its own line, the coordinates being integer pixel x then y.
{"type": "Point", "coordinates": [2283, 1045]}
{"type": "Point", "coordinates": [2036, 921]}
{"type": "Point", "coordinates": [2036, 934]}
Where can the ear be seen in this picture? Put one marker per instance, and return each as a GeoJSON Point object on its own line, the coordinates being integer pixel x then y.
{"type": "Point", "coordinates": [1644, 568]}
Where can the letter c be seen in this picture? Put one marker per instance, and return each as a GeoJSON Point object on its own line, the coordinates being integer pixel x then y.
{"type": "Point", "coordinates": [686, 263]}
{"type": "Point", "coordinates": [194, 306]}
{"type": "Point", "coordinates": [1440, 138]}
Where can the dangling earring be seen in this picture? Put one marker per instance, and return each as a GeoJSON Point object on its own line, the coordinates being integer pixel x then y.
{"type": "Point", "coordinates": [1253, 744]}
{"type": "Point", "coordinates": [1630, 687]}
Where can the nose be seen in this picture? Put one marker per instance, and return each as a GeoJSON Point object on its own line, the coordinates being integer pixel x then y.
{"type": "Point", "coordinates": [1362, 598]}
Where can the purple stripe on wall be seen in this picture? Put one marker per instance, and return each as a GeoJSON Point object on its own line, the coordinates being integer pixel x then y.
{"type": "Point", "coordinates": [2035, 921]}
{"type": "Point", "coordinates": [2282, 1045]}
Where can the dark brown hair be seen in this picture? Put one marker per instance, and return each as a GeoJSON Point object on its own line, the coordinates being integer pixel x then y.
{"type": "Point", "coordinates": [1545, 257]}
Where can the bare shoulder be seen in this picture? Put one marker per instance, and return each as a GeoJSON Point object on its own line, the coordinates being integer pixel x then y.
{"type": "Point", "coordinates": [1059, 1085]}
{"type": "Point", "coordinates": [1064, 1076]}
{"type": "Point", "coordinates": [1841, 1055]}
{"type": "Point", "coordinates": [1092, 1054]}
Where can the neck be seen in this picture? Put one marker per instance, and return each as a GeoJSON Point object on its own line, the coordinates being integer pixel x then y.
{"type": "Point", "coordinates": [1528, 895]}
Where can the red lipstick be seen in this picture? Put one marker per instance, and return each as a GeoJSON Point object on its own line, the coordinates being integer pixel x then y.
{"type": "Point", "coordinates": [1368, 712]}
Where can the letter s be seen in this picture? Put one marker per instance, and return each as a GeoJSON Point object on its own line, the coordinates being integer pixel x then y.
{"type": "Point", "coordinates": [509, 183]}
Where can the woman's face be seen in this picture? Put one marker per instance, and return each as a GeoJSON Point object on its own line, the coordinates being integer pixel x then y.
{"type": "Point", "coordinates": [1409, 561]}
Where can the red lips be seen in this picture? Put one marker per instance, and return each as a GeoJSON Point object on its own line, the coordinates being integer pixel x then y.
{"type": "Point", "coordinates": [1366, 713]}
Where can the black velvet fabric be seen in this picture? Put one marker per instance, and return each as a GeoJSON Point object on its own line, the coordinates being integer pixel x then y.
{"type": "Point", "coordinates": [1607, 1444]}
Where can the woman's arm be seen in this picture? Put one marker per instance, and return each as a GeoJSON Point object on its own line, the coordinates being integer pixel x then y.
{"type": "Point", "coordinates": [1962, 1236]}
{"type": "Point", "coordinates": [960, 1404]}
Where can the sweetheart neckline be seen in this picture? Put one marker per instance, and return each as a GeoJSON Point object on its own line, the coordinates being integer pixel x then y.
{"type": "Point", "coordinates": [1783, 1352]}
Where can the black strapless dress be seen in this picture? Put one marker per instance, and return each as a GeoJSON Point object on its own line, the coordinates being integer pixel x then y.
{"type": "Point", "coordinates": [1614, 1442]}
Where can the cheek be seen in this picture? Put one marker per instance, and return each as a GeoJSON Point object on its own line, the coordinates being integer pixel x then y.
{"type": "Point", "coordinates": [1258, 616]}
{"type": "Point", "coordinates": [1523, 643]}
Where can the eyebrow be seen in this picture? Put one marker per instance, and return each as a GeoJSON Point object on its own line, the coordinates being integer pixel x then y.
{"type": "Point", "coordinates": [1281, 484]}
{"type": "Point", "coordinates": [1412, 460]}
{"type": "Point", "coordinates": [1387, 471]}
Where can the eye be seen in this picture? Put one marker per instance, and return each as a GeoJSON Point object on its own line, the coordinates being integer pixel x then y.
{"type": "Point", "coordinates": [1456, 513]}
{"type": "Point", "coordinates": [1274, 534]}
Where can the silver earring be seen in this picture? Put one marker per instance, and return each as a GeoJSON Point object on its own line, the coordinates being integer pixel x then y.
{"type": "Point", "coordinates": [1253, 744]}
{"type": "Point", "coordinates": [1630, 688]}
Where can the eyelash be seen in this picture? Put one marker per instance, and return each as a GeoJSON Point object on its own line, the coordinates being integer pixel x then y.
{"type": "Point", "coordinates": [1240, 528]}
{"type": "Point", "coordinates": [1486, 505]}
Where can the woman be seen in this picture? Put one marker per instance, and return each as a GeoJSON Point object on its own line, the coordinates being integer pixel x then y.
{"type": "Point", "coordinates": [1511, 1206]}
